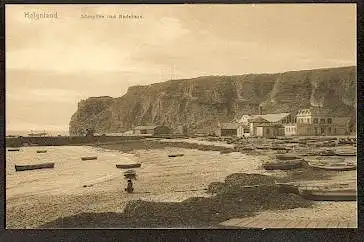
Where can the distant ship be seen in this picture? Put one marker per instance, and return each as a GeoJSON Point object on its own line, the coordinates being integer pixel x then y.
{"type": "Point", "coordinates": [37, 134]}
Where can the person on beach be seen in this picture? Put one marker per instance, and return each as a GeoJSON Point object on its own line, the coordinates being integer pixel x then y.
{"type": "Point", "coordinates": [129, 188]}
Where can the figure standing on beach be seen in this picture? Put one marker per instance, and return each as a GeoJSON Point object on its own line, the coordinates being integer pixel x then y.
{"type": "Point", "coordinates": [129, 188]}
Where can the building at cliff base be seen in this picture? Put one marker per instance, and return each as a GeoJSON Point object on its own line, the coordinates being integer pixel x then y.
{"type": "Point", "coordinates": [151, 130]}
{"type": "Point", "coordinates": [322, 122]}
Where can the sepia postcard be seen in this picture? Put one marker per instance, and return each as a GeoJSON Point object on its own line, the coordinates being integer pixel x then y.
{"type": "Point", "coordinates": [190, 116]}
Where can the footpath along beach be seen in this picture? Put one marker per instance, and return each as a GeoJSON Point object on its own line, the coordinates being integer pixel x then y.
{"type": "Point", "coordinates": [169, 192]}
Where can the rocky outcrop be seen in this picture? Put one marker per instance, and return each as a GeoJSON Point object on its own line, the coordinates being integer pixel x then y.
{"type": "Point", "coordinates": [201, 102]}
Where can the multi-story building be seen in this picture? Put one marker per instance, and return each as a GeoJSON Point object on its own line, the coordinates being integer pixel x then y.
{"type": "Point", "coordinates": [318, 121]}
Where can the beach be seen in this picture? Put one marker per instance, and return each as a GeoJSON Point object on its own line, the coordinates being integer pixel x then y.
{"type": "Point", "coordinates": [75, 187]}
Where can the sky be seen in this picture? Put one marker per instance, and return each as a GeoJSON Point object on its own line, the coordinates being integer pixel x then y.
{"type": "Point", "coordinates": [51, 64]}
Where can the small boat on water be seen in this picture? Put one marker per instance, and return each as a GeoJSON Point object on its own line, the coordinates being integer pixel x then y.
{"type": "Point", "coordinates": [41, 151]}
{"type": "Point", "coordinates": [89, 158]}
{"type": "Point", "coordinates": [333, 166]}
{"type": "Point", "coordinates": [128, 166]}
{"type": "Point", "coordinates": [14, 149]}
{"type": "Point", "coordinates": [175, 155]}
{"type": "Point", "coordinates": [284, 164]}
{"type": "Point", "coordinates": [333, 194]}
{"type": "Point", "coordinates": [34, 167]}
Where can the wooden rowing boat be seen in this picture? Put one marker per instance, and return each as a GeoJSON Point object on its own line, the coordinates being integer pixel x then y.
{"type": "Point", "coordinates": [175, 155]}
{"type": "Point", "coordinates": [284, 164]}
{"type": "Point", "coordinates": [345, 153]}
{"type": "Point", "coordinates": [128, 166]}
{"type": "Point", "coordinates": [333, 166]}
{"type": "Point", "coordinates": [16, 149]}
{"type": "Point", "coordinates": [89, 158]}
{"type": "Point", "coordinates": [41, 151]}
{"type": "Point", "coordinates": [346, 194]}
{"type": "Point", "coordinates": [34, 167]}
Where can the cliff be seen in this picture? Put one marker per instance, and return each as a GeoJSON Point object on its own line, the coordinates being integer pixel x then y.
{"type": "Point", "coordinates": [201, 102]}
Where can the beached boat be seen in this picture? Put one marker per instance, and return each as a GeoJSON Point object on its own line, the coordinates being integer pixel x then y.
{"type": "Point", "coordinates": [128, 166]}
{"type": "Point", "coordinates": [175, 155]}
{"type": "Point", "coordinates": [41, 151]}
{"type": "Point", "coordinates": [326, 153]}
{"type": "Point", "coordinates": [89, 158]}
{"type": "Point", "coordinates": [14, 149]}
{"type": "Point", "coordinates": [130, 174]}
{"type": "Point", "coordinates": [334, 194]}
{"type": "Point", "coordinates": [345, 153]}
{"type": "Point", "coordinates": [286, 157]}
{"type": "Point", "coordinates": [34, 167]}
{"type": "Point", "coordinates": [333, 166]}
{"type": "Point", "coordinates": [284, 164]}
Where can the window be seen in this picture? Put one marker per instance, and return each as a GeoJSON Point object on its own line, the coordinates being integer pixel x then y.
{"type": "Point", "coordinates": [329, 120]}
{"type": "Point", "coordinates": [315, 120]}
{"type": "Point", "coordinates": [316, 131]}
{"type": "Point", "coordinates": [322, 121]}
{"type": "Point", "coordinates": [329, 130]}
{"type": "Point", "coordinates": [322, 130]}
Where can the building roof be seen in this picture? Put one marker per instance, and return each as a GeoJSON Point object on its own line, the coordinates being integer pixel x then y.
{"type": "Point", "coordinates": [229, 126]}
{"type": "Point", "coordinates": [258, 119]}
{"type": "Point", "coordinates": [269, 125]}
{"type": "Point", "coordinates": [271, 117]}
{"type": "Point", "coordinates": [275, 117]}
{"type": "Point", "coordinates": [314, 111]}
{"type": "Point", "coordinates": [145, 127]}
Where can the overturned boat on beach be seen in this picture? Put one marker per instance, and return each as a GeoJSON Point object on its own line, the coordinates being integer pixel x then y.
{"type": "Point", "coordinates": [34, 167]}
{"type": "Point", "coordinates": [333, 166]}
{"type": "Point", "coordinates": [332, 194]}
{"type": "Point", "coordinates": [128, 166]}
{"type": "Point", "coordinates": [288, 164]}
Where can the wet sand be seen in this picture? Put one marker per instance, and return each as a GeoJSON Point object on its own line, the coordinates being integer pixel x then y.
{"type": "Point", "coordinates": [160, 179]}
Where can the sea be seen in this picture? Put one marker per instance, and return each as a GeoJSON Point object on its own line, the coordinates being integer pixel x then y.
{"type": "Point", "coordinates": [27, 132]}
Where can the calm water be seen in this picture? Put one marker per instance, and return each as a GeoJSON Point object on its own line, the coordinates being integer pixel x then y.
{"type": "Point", "coordinates": [70, 171]}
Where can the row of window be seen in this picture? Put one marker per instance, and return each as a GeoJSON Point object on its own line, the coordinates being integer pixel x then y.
{"type": "Point", "coordinates": [322, 130]}
{"type": "Point", "coordinates": [315, 120]}
{"type": "Point", "coordinates": [290, 129]}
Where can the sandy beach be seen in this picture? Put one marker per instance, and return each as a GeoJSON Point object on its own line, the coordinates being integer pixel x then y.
{"type": "Point", "coordinates": [35, 198]}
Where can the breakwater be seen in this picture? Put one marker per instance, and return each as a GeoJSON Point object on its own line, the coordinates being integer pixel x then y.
{"type": "Point", "coordinates": [66, 140]}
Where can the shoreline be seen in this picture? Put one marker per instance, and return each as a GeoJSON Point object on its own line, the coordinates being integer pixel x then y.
{"type": "Point", "coordinates": [108, 199]}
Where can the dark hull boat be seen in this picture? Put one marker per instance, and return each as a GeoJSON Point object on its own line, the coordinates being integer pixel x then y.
{"type": "Point", "coordinates": [89, 158]}
{"type": "Point", "coordinates": [283, 165]}
{"type": "Point", "coordinates": [41, 151]}
{"type": "Point", "coordinates": [175, 155]}
{"type": "Point", "coordinates": [345, 153]}
{"type": "Point", "coordinates": [34, 167]}
{"type": "Point", "coordinates": [128, 166]}
{"type": "Point", "coordinates": [334, 167]}
{"type": "Point", "coordinates": [14, 149]}
{"type": "Point", "coordinates": [329, 195]}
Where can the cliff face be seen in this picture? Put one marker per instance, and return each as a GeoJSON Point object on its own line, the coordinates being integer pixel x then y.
{"type": "Point", "coordinates": [201, 102]}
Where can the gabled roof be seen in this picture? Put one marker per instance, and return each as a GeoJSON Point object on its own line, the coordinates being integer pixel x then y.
{"type": "Point", "coordinates": [316, 111]}
{"type": "Point", "coordinates": [275, 117]}
{"type": "Point", "coordinates": [145, 127]}
{"type": "Point", "coordinates": [258, 119]}
{"type": "Point", "coordinates": [229, 126]}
